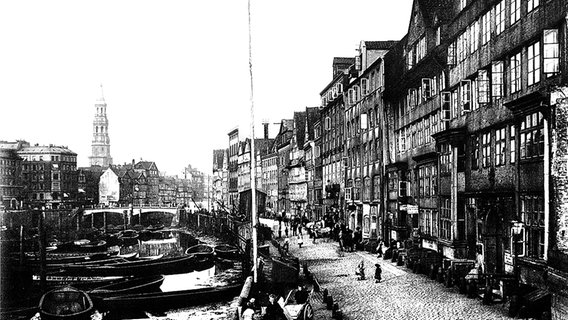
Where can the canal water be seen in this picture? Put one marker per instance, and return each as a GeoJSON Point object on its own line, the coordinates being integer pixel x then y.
{"type": "Point", "coordinates": [215, 276]}
{"type": "Point", "coordinates": [174, 243]}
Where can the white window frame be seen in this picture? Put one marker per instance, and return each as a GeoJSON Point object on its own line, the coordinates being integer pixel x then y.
{"type": "Point", "coordinates": [446, 105]}
{"type": "Point", "coordinates": [515, 73]}
{"type": "Point", "coordinates": [534, 68]}
{"type": "Point", "coordinates": [465, 96]}
{"type": "Point", "coordinates": [515, 10]}
{"type": "Point", "coordinates": [500, 17]}
{"type": "Point", "coordinates": [551, 52]}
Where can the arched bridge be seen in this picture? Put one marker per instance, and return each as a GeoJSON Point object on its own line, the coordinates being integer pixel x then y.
{"type": "Point", "coordinates": [135, 210]}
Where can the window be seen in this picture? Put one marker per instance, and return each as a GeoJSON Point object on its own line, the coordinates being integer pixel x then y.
{"type": "Point", "coordinates": [462, 4]}
{"type": "Point", "coordinates": [500, 17]}
{"type": "Point", "coordinates": [486, 27]}
{"type": "Point", "coordinates": [551, 53]}
{"type": "Point", "coordinates": [474, 151]}
{"type": "Point", "coordinates": [515, 10]}
{"type": "Point", "coordinates": [533, 63]}
{"type": "Point", "coordinates": [515, 72]}
{"type": "Point", "coordinates": [500, 142]}
{"type": "Point", "coordinates": [532, 4]}
{"type": "Point", "coordinates": [497, 79]}
{"type": "Point", "coordinates": [532, 136]}
{"type": "Point", "coordinates": [421, 49]}
{"type": "Point", "coordinates": [445, 219]}
{"type": "Point", "coordinates": [486, 149]}
{"type": "Point", "coordinates": [532, 215]}
{"type": "Point", "coordinates": [410, 58]}
{"type": "Point", "coordinates": [367, 189]}
{"type": "Point", "coordinates": [512, 145]}
{"type": "Point", "coordinates": [445, 156]}
{"type": "Point", "coordinates": [426, 128]}
{"type": "Point", "coordinates": [327, 123]}
{"type": "Point", "coordinates": [438, 35]}
{"type": "Point", "coordinates": [483, 94]}
{"type": "Point", "coordinates": [377, 188]}
{"type": "Point", "coordinates": [426, 89]}
{"type": "Point", "coordinates": [454, 103]}
{"type": "Point", "coordinates": [451, 55]}
{"type": "Point", "coordinates": [474, 36]}
{"type": "Point", "coordinates": [465, 95]}
{"type": "Point", "coordinates": [365, 86]}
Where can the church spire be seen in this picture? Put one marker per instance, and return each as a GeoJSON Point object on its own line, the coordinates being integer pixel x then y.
{"type": "Point", "coordinates": [100, 146]}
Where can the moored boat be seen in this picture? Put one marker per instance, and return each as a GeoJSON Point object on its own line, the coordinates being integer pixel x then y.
{"type": "Point", "coordinates": [200, 250]}
{"type": "Point", "coordinates": [225, 251]}
{"type": "Point", "coordinates": [139, 267]}
{"type": "Point", "coordinates": [167, 300]}
{"type": "Point", "coordinates": [66, 303]}
{"type": "Point", "coordinates": [129, 286]}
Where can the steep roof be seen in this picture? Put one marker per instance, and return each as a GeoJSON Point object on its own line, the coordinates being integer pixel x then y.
{"type": "Point", "coordinates": [300, 127]}
{"type": "Point", "coordinates": [380, 45]}
{"type": "Point", "coordinates": [313, 115]}
{"type": "Point", "coordinates": [146, 165]}
{"type": "Point", "coordinates": [343, 60]}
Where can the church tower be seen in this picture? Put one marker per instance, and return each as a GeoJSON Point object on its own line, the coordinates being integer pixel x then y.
{"type": "Point", "coordinates": [100, 154]}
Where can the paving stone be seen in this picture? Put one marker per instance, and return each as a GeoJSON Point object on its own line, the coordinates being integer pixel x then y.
{"type": "Point", "coordinates": [401, 295]}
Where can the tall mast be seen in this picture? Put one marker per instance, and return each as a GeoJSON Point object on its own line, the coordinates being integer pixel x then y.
{"type": "Point", "coordinates": [252, 160]}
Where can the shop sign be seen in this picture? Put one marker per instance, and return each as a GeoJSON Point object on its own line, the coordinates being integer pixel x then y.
{"type": "Point", "coordinates": [448, 252]}
{"type": "Point", "coordinates": [429, 244]}
{"type": "Point", "coordinates": [412, 209]}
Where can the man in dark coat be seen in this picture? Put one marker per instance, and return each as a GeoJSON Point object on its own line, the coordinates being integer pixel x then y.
{"type": "Point", "coordinates": [273, 309]}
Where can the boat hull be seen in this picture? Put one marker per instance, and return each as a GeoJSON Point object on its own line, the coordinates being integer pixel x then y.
{"type": "Point", "coordinates": [159, 301]}
{"type": "Point", "coordinates": [66, 303]}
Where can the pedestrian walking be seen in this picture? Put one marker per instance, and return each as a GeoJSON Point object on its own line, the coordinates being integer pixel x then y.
{"type": "Point", "coordinates": [286, 245]}
{"type": "Point", "coordinates": [380, 249]}
{"type": "Point", "coordinates": [286, 231]}
{"type": "Point", "coordinates": [378, 272]}
{"type": "Point", "coordinates": [361, 270]}
{"type": "Point", "coordinates": [300, 241]}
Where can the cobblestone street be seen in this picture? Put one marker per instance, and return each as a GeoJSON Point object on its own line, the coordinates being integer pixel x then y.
{"type": "Point", "coordinates": [401, 295]}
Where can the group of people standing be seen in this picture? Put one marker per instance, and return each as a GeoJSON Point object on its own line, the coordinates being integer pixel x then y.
{"type": "Point", "coordinates": [348, 240]}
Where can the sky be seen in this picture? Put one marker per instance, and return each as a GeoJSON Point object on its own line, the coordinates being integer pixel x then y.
{"type": "Point", "coordinates": [175, 74]}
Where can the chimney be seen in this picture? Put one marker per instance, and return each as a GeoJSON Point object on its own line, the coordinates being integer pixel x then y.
{"type": "Point", "coordinates": [132, 161]}
{"type": "Point", "coordinates": [265, 125]}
